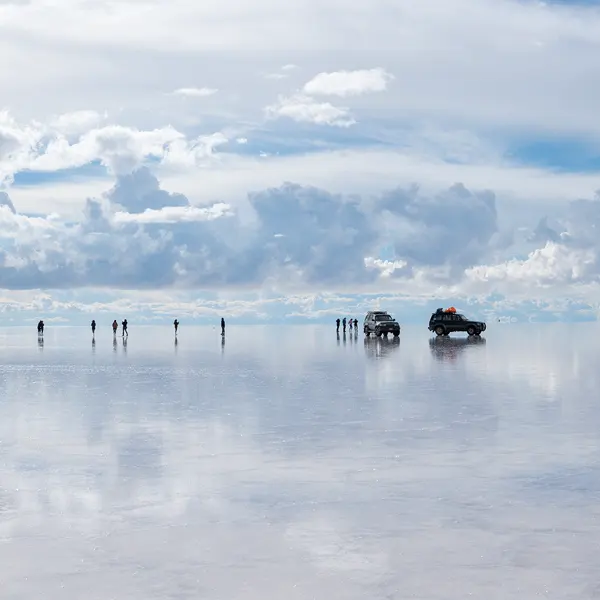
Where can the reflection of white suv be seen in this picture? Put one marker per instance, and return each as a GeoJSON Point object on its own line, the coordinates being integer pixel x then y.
{"type": "Point", "coordinates": [380, 323]}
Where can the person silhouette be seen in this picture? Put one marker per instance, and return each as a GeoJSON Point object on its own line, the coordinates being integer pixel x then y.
{"type": "Point", "coordinates": [93, 327]}
{"type": "Point", "coordinates": [356, 324]}
{"type": "Point", "coordinates": [222, 326]}
{"type": "Point", "coordinates": [115, 326]}
{"type": "Point", "coordinates": [40, 328]}
{"type": "Point", "coordinates": [337, 325]}
{"type": "Point", "coordinates": [350, 324]}
{"type": "Point", "coordinates": [124, 325]}
{"type": "Point", "coordinates": [176, 325]}
{"type": "Point", "coordinates": [344, 324]}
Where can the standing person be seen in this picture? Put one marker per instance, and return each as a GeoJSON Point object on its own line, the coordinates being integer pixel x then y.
{"type": "Point", "coordinates": [222, 326]}
{"type": "Point", "coordinates": [115, 326]}
{"type": "Point", "coordinates": [355, 325]}
{"type": "Point", "coordinates": [124, 324]}
{"type": "Point", "coordinates": [93, 327]}
{"type": "Point", "coordinates": [337, 325]}
{"type": "Point", "coordinates": [350, 324]}
{"type": "Point", "coordinates": [176, 325]}
{"type": "Point", "coordinates": [344, 324]}
{"type": "Point", "coordinates": [41, 328]}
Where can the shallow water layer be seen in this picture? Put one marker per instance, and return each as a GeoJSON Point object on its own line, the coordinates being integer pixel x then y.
{"type": "Point", "coordinates": [284, 462]}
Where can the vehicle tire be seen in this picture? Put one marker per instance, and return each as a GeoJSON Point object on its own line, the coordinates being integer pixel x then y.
{"type": "Point", "coordinates": [439, 330]}
{"type": "Point", "coordinates": [396, 334]}
{"type": "Point", "coordinates": [378, 333]}
{"type": "Point", "coordinates": [366, 331]}
{"type": "Point", "coordinates": [471, 330]}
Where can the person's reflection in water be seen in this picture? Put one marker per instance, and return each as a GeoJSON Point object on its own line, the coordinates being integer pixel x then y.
{"type": "Point", "coordinates": [114, 344]}
{"type": "Point", "coordinates": [94, 345]}
{"type": "Point", "coordinates": [344, 336]}
{"type": "Point", "coordinates": [222, 344]}
{"type": "Point", "coordinates": [176, 344]}
{"type": "Point", "coordinates": [338, 338]}
{"type": "Point", "coordinates": [40, 342]}
{"type": "Point", "coordinates": [445, 348]}
{"type": "Point", "coordinates": [125, 343]}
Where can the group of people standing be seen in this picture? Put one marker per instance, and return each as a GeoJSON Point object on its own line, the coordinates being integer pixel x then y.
{"type": "Point", "coordinates": [115, 327]}
{"type": "Point", "coordinates": [345, 322]}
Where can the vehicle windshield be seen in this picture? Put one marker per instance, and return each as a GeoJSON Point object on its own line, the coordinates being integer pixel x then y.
{"type": "Point", "coordinates": [383, 318]}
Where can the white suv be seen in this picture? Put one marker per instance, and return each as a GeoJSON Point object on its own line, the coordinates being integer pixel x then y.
{"type": "Point", "coordinates": [380, 323]}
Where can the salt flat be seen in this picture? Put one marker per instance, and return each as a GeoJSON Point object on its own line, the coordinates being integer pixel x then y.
{"type": "Point", "coordinates": [287, 463]}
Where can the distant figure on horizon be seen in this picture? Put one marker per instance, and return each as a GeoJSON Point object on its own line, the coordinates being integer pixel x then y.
{"type": "Point", "coordinates": [337, 325]}
{"type": "Point", "coordinates": [222, 326]}
{"type": "Point", "coordinates": [115, 327]}
{"type": "Point", "coordinates": [93, 327]}
{"type": "Point", "coordinates": [124, 324]}
{"type": "Point", "coordinates": [40, 328]}
{"type": "Point", "coordinates": [176, 325]}
{"type": "Point", "coordinates": [344, 324]}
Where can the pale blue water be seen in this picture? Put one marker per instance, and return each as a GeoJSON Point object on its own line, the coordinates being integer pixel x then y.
{"type": "Point", "coordinates": [290, 465]}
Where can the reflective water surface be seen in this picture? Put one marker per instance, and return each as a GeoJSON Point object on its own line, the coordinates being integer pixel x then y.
{"type": "Point", "coordinates": [285, 462]}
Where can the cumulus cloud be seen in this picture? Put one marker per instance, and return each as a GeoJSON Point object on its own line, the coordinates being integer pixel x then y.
{"type": "Point", "coordinates": [567, 255]}
{"type": "Point", "coordinates": [552, 264]}
{"type": "Point", "coordinates": [77, 123]}
{"type": "Point", "coordinates": [80, 138]}
{"type": "Point", "coordinates": [349, 83]}
{"type": "Point", "coordinates": [120, 149]}
{"type": "Point", "coordinates": [304, 109]}
{"type": "Point", "coordinates": [299, 237]}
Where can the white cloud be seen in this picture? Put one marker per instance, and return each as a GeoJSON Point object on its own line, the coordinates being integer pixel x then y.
{"type": "Point", "coordinates": [553, 264]}
{"type": "Point", "coordinates": [192, 92]}
{"type": "Point", "coordinates": [120, 149]}
{"type": "Point", "coordinates": [77, 123]}
{"type": "Point", "coordinates": [307, 110]}
{"type": "Point", "coordinates": [386, 267]}
{"type": "Point", "coordinates": [348, 83]}
{"type": "Point", "coordinates": [175, 214]}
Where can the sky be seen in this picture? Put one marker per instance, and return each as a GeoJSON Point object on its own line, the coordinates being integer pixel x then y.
{"type": "Point", "coordinates": [298, 162]}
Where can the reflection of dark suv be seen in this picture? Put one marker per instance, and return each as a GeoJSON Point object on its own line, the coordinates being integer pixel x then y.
{"type": "Point", "coordinates": [445, 322]}
{"type": "Point", "coordinates": [380, 323]}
